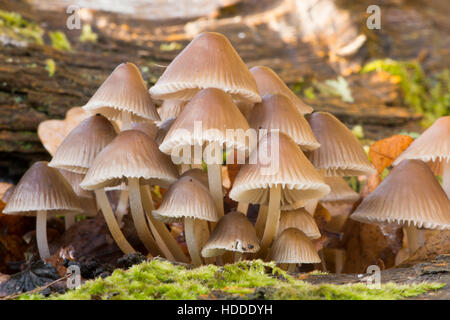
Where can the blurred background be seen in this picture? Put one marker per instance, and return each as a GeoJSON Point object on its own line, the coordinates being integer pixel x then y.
{"type": "Point", "coordinates": [378, 81]}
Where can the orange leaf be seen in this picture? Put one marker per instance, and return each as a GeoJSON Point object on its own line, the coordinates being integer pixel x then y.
{"type": "Point", "coordinates": [384, 152]}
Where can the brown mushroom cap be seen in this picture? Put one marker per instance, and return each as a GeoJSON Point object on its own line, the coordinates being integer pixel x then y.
{"type": "Point", "coordinates": [187, 198]}
{"type": "Point", "coordinates": [300, 219]}
{"type": "Point", "coordinates": [87, 198]}
{"type": "Point", "coordinates": [149, 128]}
{"type": "Point", "coordinates": [409, 195]}
{"type": "Point", "coordinates": [269, 82]}
{"type": "Point", "coordinates": [198, 174]}
{"type": "Point", "coordinates": [277, 111]}
{"type": "Point", "coordinates": [299, 180]}
{"type": "Point", "coordinates": [171, 109]}
{"type": "Point", "coordinates": [216, 112]}
{"type": "Point", "coordinates": [8, 194]}
{"type": "Point", "coordinates": [123, 91]}
{"type": "Point", "coordinates": [233, 232]}
{"type": "Point", "coordinates": [132, 154]}
{"type": "Point", "coordinates": [433, 146]}
{"type": "Point", "coordinates": [340, 191]}
{"type": "Point", "coordinates": [42, 188]}
{"type": "Point", "coordinates": [293, 246]}
{"type": "Point", "coordinates": [340, 153]}
{"type": "Point", "coordinates": [163, 129]}
{"type": "Point", "coordinates": [78, 150]}
{"type": "Point", "coordinates": [209, 61]}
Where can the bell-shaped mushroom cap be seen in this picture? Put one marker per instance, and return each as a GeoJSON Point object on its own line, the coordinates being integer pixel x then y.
{"type": "Point", "coordinates": [233, 232]}
{"type": "Point", "coordinates": [149, 128]}
{"type": "Point", "coordinates": [340, 191]}
{"type": "Point", "coordinates": [87, 198]}
{"type": "Point", "coordinates": [340, 153]}
{"type": "Point", "coordinates": [409, 196]}
{"type": "Point", "coordinates": [209, 61]}
{"type": "Point", "coordinates": [287, 167]}
{"type": "Point", "coordinates": [270, 83]}
{"type": "Point", "coordinates": [433, 146]}
{"type": "Point", "coordinates": [293, 246]}
{"type": "Point", "coordinates": [79, 149]}
{"type": "Point", "coordinates": [171, 109]}
{"type": "Point", "coordinates": [300, 219]}
{"type": "Point", "coordinates": [163, 129]}
{"type": "Point", "coordinates": [74, 179]}
{"type": "Point", "coordinates": [123, 91]}
{"type": "Point", "coordinates": [8, 194]}
{"type": "Point", "coordinates": [277, 111]}
{"type": "Point", "coordinates": [42, 188]}
{"type": "Point", "coordinates": [206, 118]}
{"type": "Point", "coordinates": [132, 154]}
{"type": "Point", "coordinates": [187, 198]}
{"type": "Point", "coordinates": [198, 174]}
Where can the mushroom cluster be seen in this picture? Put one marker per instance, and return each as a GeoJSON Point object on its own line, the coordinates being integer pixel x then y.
{"type": "Point", "coordinates": [214, 110]}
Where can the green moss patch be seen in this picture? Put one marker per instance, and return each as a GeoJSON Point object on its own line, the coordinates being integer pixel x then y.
{"type": "Point", "coordinates": [247, 280]}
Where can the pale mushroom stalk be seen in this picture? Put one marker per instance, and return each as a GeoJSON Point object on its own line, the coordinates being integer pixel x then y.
{"type": "Point", "coordinates": [122, 206]}
{"type": "Point", "coordinates": [242, 207]}
{"type": "Point", "coordinates": [184, 167]}
{"type": "Point", "coordinates": [238, 256]}
{"type": "Point", "coordinates": [190, 227]}
{"type": "Point", "coordinates": [215, 185]}
{"type": "Point", "coordinates": [41, 234]}
{"type": "Point", "coordinates": [162, 234]}
{"type": "Point", "coordinates": [291, 267]}
{"type": "Point", "coordinates": [446, 177]}
{"type": "Point", "coordinates": [126, 121]}
{"type": "Point", "coordinates": [261, 220]}
{"type": "Point", "coordinates": [111, 222]}
{"type": "Point", "coordinates": [69, 220]}
{"type": "Point", "coordinates": [415, 238]}
{"type": "Point", "coordinates": [273, 218]}
{"type": "Point", "coordinates": [137, 213]}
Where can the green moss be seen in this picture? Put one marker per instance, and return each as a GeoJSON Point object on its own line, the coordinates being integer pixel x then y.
{"type": "Point", "coordinates": [14, 27]}
{"type": "Point", "coordinates": [427, 95]}
{"type": "Point", "coordinates": [161, 280]}
{"type": "Point", "coordinates": [50, 66]}
{"type": "Point", "coordinates": [59, 41]}
{"type": "Point", "coordinates": [87, 35]}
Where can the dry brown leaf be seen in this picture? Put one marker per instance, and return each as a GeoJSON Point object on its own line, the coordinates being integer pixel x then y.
{"type": "Point", "coordinates": [384, 152]}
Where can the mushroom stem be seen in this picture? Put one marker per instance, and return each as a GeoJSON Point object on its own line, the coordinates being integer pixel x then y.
{"type": "Point", "coordinates": [184, 167]}
{"type": "Point", "coordinates": [238, 256]}
{"type": "Point", "coordinates": [111, 222]}
{"type": "Point", "coordinates": [273, 218]}
{"type": "Point", "coordinates": [140, 223]}
{"type": "Point", "coordinates": [215, 186]}
{"type": "Point", "coordinates": [41, 234]}
{"type": "Point", "coordinates": [159, 229]}
{"type": "Point", "coordinates": [414, 239]}
{"type": "Point", "coordinates": [69, 220]}
{"type": "Point", "coordinates": [322, 260]}
{"type": "Point", "coordinates": [190, 226]}
{"type": "Point", "coordinates": [261, 220]}
{"type": "Point", "coordinates": [292, 267]}
{"type": "Point", "coordinates": [311, 205]}
{"type": "Point", "coordinates": [126, 121]}
{"type": "Point", "coordinates": [339, 259]}
{"type": "Point", "coordinates": [242, 207]}
{"type": "Point", "coordinates": [446, 177]}
{"type": "Point", "coordinates": [122, 206]}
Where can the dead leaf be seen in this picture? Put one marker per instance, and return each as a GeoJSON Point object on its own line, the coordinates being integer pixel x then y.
{"type": "Point", "coordinates": [384, 152]}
